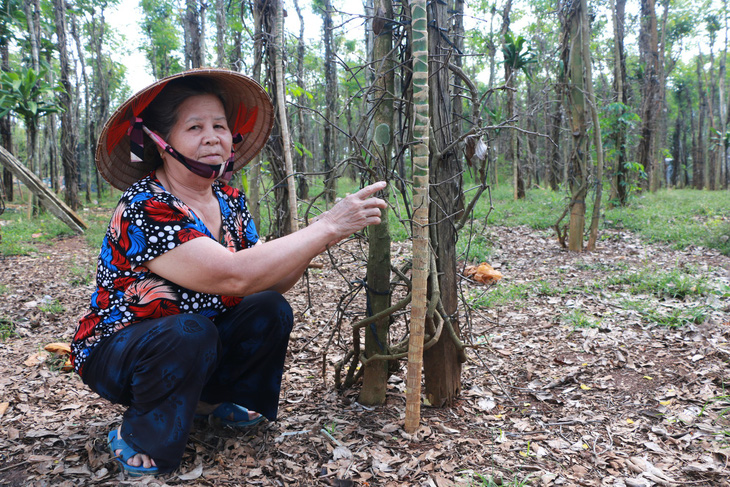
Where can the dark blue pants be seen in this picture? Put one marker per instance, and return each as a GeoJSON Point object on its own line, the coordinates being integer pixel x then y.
{"type": "Point", "coordinates": [161, 368]}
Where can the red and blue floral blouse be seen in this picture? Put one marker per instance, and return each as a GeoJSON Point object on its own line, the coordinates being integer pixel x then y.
{"type": "Point", "coordinates": [147, 222]}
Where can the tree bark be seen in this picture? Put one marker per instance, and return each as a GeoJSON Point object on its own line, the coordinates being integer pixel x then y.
{"type": "Point", "coordinates": [6, 138]}
{"type": "Point", "coordinates": [573, 60]}
{"type": "Point", "coordinates": [620, 176]}
{"type": "Point", "coordinates": [301, 159]}
{"type": "Point", "coordinates": [330, 73]}
{"type": "Point", "coordinates": [68, 124]}
{"type": "Point", "coordinates": [442, 362]}
{"type": "Point", "coordinates": [699, 155]}
{"type": "Point", "coordinates": [649, 49]}
{"type": "Point", "coordinates": [194, 34]}
{"type": "Point", "coordinates": [597, 141]}
{"type": "Point", "coordinates": [88, 157]}
{"type": "Point", "coordinates": [375, 377]}
{"type": "Point", "coordinates": [101, 86]}
{"type": "Point", "coordinates": [283, 118]}
{"type": "Point", "coordinates": [254, 186]}
{"type": "Point", "coordinates": [220, 32]}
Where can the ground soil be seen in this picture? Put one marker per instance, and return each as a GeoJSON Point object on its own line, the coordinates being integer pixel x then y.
{"type": "Point", "coordinates": [625, 402]}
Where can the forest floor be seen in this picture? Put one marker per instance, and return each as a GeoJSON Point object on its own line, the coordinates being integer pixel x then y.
{"type": "Point", "coordinates": [570, 381]}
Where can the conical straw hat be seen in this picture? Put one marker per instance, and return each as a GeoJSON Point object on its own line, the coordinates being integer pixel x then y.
{"type": "Point", "coordinates": [249, 112]}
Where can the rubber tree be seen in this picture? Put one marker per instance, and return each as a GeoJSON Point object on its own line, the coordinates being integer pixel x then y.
{"type": "Point", "coordinates": [575, 105]}
{"type": "Point", "coordinates": [7, 7]}
{"type": "Point", "coordinates": [515, 60]}
{"type": "Point", "coordinates": [650, 106]}
{"type": "Point", "coordinates": [442, 361]}
{"type": "Point", "coordinates": [69, 133]}
{"type": "Point", "coordinates": [375, 374]}
{"type": "Point", "coordinates": [619, 176]}
{"type": "Point", "coordinates": [330, 75]}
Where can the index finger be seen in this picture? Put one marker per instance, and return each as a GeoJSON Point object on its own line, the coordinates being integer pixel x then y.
{"type": "Point", "coordinates": [370, 190]}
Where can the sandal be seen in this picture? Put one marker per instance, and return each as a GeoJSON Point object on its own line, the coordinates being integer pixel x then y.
{"type": "Point", "coordinates": [227, 410]}
{"type": "Point", "coordinates": [115, 442]}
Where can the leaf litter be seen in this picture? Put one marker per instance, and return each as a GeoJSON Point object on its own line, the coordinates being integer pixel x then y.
{"type": "Point", "coordinates": [617, 401]}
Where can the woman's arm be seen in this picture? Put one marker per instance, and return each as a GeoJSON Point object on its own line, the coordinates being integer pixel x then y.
{"type": "Point", "coordinates": [203, 265]}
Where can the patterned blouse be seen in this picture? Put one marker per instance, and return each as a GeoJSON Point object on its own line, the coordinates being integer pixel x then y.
{"type": "Point", "coordinates": [147, 222]}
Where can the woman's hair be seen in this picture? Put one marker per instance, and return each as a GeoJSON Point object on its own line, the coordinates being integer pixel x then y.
{"type": "Point", "coordinates": [161, 114]}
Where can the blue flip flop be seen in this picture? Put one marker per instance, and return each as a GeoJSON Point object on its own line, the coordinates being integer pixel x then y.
{"type": "Point", "coordinates": [115, 442]}
{"type": "Point", "coordinates": [240, 416]}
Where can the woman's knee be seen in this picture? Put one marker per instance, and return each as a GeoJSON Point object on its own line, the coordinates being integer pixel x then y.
{"type": "Point", "coordinates": [279, 308]}
{"type": "Point", "coordinates": [191, 337]}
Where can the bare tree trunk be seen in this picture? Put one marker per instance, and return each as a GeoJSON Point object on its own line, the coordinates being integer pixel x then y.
{"type": "Point", "coordinates": [281, 220]}
{"type": "Point", "coordinates": [699, 156]}
{"type": "Point", "coordinates": [301, 159]}
{"type": "Point", "coordinates": [442, 362]}
{"type": "Point", "coordinates": [32, 14]}
{"type": "Point", "coordinates": [328, 145]}
{"type": "Point", "coordinates": [194, 34]}
{"type": "Point", "coordinates": [649, 48]}
{"type": "Point", "coordinates": [283, 118]}
{"type": "Point", "coordinates": [254, 186]}
{"type": "Point", "coordinates": [375, 376]}
{"type": "Point", "coordinates": [722, 169]}
{"type": "Point", "coordinates": [620, 176]}
{"type": "Point", "coordinates": [220, 31]}
{"type": "Point", "coordinates": [101, 87]}
{"type": "Point", "coordinates": [573, 60]}
{"type": "Point", "coordinates": [553, 175]}
{"type": "Point", "coordinates": [88, 154]}
{"type": "Point", "coordinates": [598, 143]}
{"type": "Point", "coordinates": [68, 124]}
{"type": "Point", "coordinates": [6, 137]}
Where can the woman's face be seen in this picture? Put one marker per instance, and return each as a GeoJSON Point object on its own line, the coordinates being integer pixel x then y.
{"type": "Point", "coordinates": [201, 131]}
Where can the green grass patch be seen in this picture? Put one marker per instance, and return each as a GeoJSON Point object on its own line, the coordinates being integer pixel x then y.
{"type": "Point", "coordinates": [21, 235]}
{"type": "Point", "coordinates": [578, 319]}
{"type": "Point", "coordinates": [51, 306]}
{"type": "Point", "coordinates": [674, 317]}
{"type": "Point", "coordinates": [500, 295]}
{"type": "Point", "coordinates": [680, 218]}
{"type": "Point", "coordinates": [477, 479]}
{"type": "Point", "coordinates": [675, 283]}
{"type": "Point", "coordinates": [7, 328]}
{"type": "Point", "coordinates": [81, 274]}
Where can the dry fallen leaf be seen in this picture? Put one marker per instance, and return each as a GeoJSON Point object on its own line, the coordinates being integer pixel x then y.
{"type": "Point", "coordinates": [35, 359]}
{"type": "Point", "coordinates": [483, 273]}
{"type": "Point", "coordinates": [58, 348]}
{"type": "Point", "coordinates": [61, 349]}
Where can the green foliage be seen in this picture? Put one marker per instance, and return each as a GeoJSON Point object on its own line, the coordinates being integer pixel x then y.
{"type": "Point", "coordinates": [51, 306]}
{"type": "Point", "coordinates": [21, 235]}
{"type": "Point", "coordinates": [679, 218]}
{"type": "Point", "coordinates": [163, 35]}
{"type": "Point", "coordinates": [517, 56]}
{"type": "Point", "coordinates": [500, 294]}
{"type": "Point", "coordinates": [539, 209]}
{"type": "Point", "coordinates": [676, 317]}
{"type": "Point", "coordinates": [675, 284]}
{"type": "Point", "coordinates": [7, 328]}
{"type": "Point", "coordinates": [476, 479]}
{"type": "Point", "coordinates": [81, 274]}
{"type": "Point", "coordinates": [578, 319]}
{"type": "Point", "coordinates": [26, 94]}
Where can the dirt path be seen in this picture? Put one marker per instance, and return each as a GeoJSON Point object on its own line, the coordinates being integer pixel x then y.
{"type": "Point", "coordinates": [615, 401]}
